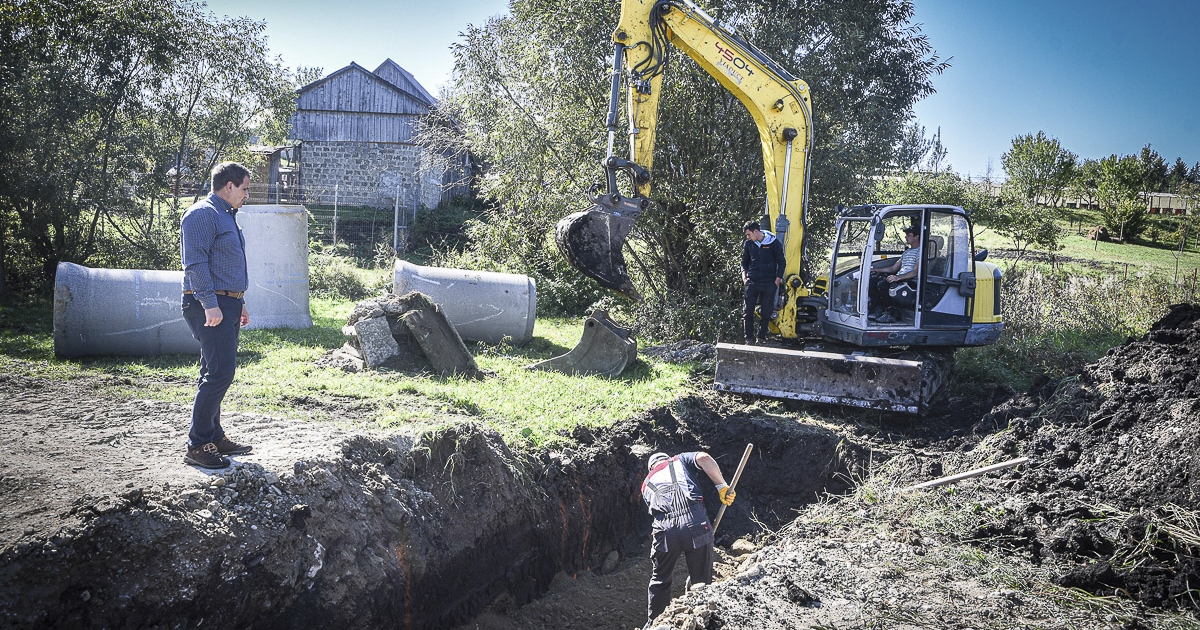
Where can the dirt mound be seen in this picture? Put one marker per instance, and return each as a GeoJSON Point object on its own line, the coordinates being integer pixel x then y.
{"type": "Point", "coordinates": [1108, 503]}
{"type": "Point", "coordinates": [1113, 470]}
{"type": "Point", "coordinates": [684, 351]}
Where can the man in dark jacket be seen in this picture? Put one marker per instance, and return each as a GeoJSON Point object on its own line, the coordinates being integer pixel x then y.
{"type": "Point", "coordinates": [680, 521]}
{"type": "Point", "coordinates": [762, 273]}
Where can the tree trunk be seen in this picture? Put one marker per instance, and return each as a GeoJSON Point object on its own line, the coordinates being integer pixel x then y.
{"type": "Point", "coordinates": [3, 256]}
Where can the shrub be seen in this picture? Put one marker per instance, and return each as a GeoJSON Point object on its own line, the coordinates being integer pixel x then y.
{"type": "Point", "coordinates": [330, 275]}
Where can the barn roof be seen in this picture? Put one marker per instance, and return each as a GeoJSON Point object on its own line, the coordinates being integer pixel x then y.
{"type": "Point", "coordinates": [389, 74]}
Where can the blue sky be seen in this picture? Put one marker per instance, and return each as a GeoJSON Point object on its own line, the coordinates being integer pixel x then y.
{"type": "Point", "coordinates": [1102, 76]}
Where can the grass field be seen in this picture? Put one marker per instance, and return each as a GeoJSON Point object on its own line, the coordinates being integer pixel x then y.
{"type": "Point", "coordinates": [276, 375]}
{"type": "Point", "coordinates": [1058, 316]}
{"type": "Point", "coordinates": [1136, 257]}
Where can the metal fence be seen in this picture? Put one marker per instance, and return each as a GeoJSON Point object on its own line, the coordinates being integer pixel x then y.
{"type": "Point", "coordinates": [362, 218]}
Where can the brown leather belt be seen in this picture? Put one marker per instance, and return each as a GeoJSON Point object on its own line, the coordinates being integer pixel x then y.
{"type": "Point", "coordinates": [237, 295]}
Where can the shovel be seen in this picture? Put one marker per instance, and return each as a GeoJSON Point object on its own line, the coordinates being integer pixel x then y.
{"type": "Point", "coordinates": [732, 485]}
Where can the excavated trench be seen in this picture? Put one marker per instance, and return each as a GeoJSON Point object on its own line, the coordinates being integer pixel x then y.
{"type": "Point", "coordinates": [393, 532]}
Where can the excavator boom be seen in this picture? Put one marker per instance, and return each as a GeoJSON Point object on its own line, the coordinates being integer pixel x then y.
{"type": "Point", "coordinates": [593, 239]}
{"type": "Point", "coordinates": [948, 288]}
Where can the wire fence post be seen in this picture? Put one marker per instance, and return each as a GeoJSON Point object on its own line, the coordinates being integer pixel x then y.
{"type": "Point", "coordinates": [396, 222]}
{"type": "Point", "coordinates": [335, 212]}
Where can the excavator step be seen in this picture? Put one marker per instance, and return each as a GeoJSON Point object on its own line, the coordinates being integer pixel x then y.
{"type": "Point", "coordinates": [605, 348]}
{"type": "Point", "coordinates": [855, 380]}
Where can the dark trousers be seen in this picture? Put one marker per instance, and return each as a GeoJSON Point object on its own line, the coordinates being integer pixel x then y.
{"type": "Point", "coordinates": [878, 297]}
{"type": "Point", "coordinates": [695, 543]}
{"type": "Point", "coordinates": [761, 294]}
{"type": "Point", "coordinates": [218, 362]}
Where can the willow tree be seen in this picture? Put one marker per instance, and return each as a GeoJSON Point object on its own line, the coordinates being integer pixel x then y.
{"type": "Point", "coordinates": [531, 96]}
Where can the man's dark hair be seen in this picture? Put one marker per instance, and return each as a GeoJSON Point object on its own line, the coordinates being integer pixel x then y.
{"type": "Point", "coordinates": [226, 172]}
{"type": "Point", "coordinates": [751, 226]}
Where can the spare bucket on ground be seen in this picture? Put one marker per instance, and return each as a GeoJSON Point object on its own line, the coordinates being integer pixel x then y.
{"type": "Point", "coordinates": [605, 348]}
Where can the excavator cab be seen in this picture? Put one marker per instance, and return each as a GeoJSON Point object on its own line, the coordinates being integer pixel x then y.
{"type": "Point", "coordinates": [937, 307]}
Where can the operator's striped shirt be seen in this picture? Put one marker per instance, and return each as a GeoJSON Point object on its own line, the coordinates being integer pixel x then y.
{"type": "Point", "coordinates": [213, 250]}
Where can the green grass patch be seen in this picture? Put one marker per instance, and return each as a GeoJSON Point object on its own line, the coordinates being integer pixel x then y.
{"type": "Point", "coordinates": [277, 376]}
{"type": "Point", "coordinates": [1142, 256]}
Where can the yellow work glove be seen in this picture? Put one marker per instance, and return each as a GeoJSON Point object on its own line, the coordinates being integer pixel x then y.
{"type": "Point", "coordinates": [726, 494]}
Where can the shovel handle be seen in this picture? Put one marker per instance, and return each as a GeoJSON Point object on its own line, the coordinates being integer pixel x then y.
{"type": "Point", "coordinates": [733, 484]}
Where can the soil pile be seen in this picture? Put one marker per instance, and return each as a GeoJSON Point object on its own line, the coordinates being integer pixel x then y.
{"type": "Point", "coordinates": [1114, 466]}
{"type": "Point", "coordinates": [1107, 503]}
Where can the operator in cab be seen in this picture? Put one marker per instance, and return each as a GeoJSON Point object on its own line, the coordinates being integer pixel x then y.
{"type": "Point", "coordinates": [903, 270]}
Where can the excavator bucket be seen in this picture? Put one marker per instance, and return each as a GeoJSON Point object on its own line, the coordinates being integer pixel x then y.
{"type": "Point", "coordinates": [592, 240]}
{"type": "Point", "coordinates": [605, 349]}
{"type": "Point", "coordinates": [856, 380]}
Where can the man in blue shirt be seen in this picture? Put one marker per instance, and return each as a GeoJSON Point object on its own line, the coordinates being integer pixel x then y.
{"type": "Point", "coordinates": [680, 521]}
{"type": "Point", "coordinates": [214, 283]}
{"type": "Point", "coordinates": [762, 273]}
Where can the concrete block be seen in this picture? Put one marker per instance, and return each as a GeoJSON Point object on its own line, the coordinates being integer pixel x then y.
{"type": "Point", "coordinates": [440, 342]}
{"type": "Point", "coordinates": [375, 341]}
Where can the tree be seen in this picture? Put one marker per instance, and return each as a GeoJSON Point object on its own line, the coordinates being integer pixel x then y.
{"type": "Point", "coordinates": [1121, 207]}
{"type": "Point", "coordinates": [1178, 175]}
{"type": "Point", "coordinates": [912, 147]}
{"type": "Point", "coordinates": [71, 102]}
{"type": "Point", "coordinates": [938, 188]}
{"type": "Point", "coordinates": [1039, 169]}
{"type": "Point", "coordinates": [1085, 182]}
{"type": "Point", "coordinates": [532, 91]}
{"type": "Point", "coordinates": [937, 154]}
{"type": "Point", "coordinates": [1026, 225]}
{"type": "Point", "coordinates": [1154, 171]}
{"type": "Point", "coordinates": [87, 134]}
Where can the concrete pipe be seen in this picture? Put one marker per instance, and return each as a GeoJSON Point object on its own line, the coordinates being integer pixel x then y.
{"type": "Point", "coordinates": [119, 311]}
{"type": "Point", "coordinates": [483, 305]}
{"type": "Point", "coordinates": [277, 263]}
{"type": "Point", "coordinates": [136, 312]}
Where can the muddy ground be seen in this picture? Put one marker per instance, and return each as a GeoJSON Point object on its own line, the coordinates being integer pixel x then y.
{"type": "Point", "coordinates": [101, 525]}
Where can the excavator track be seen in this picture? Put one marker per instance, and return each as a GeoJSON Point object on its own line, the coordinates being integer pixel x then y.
{"type": "Point", "coordinates": [906, 381]}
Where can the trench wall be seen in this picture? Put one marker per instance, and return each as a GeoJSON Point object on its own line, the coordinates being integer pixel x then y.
{"type": "Point", "coordinates": [399, 533]}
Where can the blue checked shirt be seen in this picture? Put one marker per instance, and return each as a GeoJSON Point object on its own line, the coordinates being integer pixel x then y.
{"type": "Point", "coordinates": [213, 250]}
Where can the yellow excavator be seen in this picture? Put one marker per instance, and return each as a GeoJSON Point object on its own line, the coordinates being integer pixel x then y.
{"type": "Point", "coordinates": [836, 351]}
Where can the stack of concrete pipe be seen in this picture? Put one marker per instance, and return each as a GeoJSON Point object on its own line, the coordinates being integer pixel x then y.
{"type": "Point", "coordinates": [136, 312]}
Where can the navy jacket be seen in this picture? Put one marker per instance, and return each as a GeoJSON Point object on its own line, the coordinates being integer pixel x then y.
{"type": "Point", "coordinates": [763, 261]}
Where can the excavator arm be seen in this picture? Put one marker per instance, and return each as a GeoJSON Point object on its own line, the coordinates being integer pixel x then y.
{"type": "Point", "coordinates": [779, 104]}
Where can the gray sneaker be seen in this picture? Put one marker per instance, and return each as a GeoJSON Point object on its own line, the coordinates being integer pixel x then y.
{"type": "Point", "coordinates": [205, 456]}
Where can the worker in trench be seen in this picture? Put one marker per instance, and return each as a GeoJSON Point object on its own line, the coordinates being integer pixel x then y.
{"type": "Point", "coordinates": [672, 494]}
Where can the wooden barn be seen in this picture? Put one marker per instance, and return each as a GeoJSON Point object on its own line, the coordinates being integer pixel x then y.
{"type": "Point", "coordinates": [355, 133]}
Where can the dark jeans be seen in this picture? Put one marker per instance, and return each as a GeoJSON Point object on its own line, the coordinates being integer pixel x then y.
{"type": "Point", "coordinates": [218, 351]}
{"type": "Point", "coordinates": [761, 294]}
{"type": "Point", "coordinates": [877, 293]}
{"type": "Point", "coordinates": [695, 542]}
